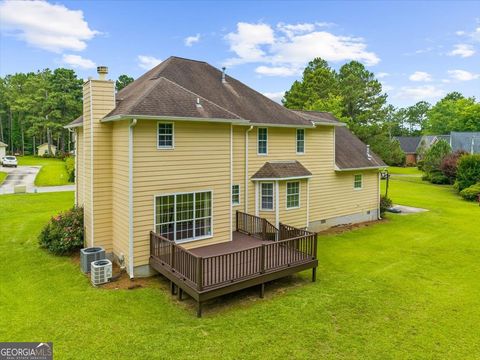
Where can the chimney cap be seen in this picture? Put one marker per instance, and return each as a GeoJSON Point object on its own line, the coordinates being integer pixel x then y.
{"type": "Point", "coordinates": [102, 70]}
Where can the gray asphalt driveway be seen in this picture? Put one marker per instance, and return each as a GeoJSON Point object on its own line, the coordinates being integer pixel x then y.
{"type": "Point", "coordinates": [25, 175]}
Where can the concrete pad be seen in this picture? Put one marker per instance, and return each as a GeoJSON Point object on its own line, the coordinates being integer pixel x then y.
{"type": "Point", "coordinates": [407, 210]}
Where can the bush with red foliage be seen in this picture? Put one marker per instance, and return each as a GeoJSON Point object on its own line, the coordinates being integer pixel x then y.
{"type": "Point", "coordinates": [449, 165]}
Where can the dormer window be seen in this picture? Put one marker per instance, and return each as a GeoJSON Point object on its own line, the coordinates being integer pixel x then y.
{"type": "Point", "coordinates": [165, 136]}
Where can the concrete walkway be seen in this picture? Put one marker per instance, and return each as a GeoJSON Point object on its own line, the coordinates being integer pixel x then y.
{"type": "Point", "coordinates": [25, 175]}
{"type": "Point", "coordinates": [406, 210]}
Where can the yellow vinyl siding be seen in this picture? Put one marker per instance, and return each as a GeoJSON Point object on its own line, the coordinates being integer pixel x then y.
{"type": "Point", "coordinates": [98, 101]}
{"type": "Point", "coordinates": [120, 209]}
{"type": "Point", "coordinates": [331, 192]}
{"type": "Point", "coordinates": [200, 161]}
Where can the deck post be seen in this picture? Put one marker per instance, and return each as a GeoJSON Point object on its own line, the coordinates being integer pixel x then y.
{"type": "Point", "coordinates": [262, 290]}
{"type": "Point", "coordinates": [200, 273]}
{"type": "Point", "coordinates": [264, 230]}
{"type": "Point", "coordinates": [179, 293]}
{"type": "Point", "coordinates": [262, 259]}
{"type": "Point", "coordinates": [314, 274]}
{"type": "Point", "coordinates": [172, 256]}
{"type": "Point", "coordinates": [236, 220]}
{"type": "Point", "coordinates": [199, 309]}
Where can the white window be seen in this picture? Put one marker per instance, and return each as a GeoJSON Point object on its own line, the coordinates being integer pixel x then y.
{"type": "Point", "coordinates": [266, 196]}
{"type": "Point", "coordinates": [293, 195]}
{"type": "Point", "coordinates": [165, 135]}
{"type": "Point", "coordinates": [235, 194]}
{"type": "Point", "coordinates": [358, 182]}
{"type": "Point", "coordinates": [300, 141]}
{"type": "Point", "coordinates": [183, 217]}
{"type": "Point", "coordinates": [262, 146]}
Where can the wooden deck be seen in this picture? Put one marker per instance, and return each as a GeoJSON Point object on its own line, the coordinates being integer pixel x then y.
{"type": "Point", "coordinates": [250, 259]}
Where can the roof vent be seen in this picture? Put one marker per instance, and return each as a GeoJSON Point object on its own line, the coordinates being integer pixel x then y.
{"type": "Point", "coordinates": [198, 103]}
{"type": "Point", "coordinates": [369, 156]}
{"type": "Point", "coordinates": [223, 74]}
{"type": "Point", "coordinates": [102, 72]}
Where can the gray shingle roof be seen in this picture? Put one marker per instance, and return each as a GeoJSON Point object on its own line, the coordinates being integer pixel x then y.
{"type": "Point", "coordinates": [157, 93]}
{"type": "Point", "coordinates": [465, 141]}
{"type": "Point", "coordinates": [351, 152]}
{"type": "Point", "coordinates": [409, 144]}
{"type": "Point", "coordinates": [77, 122]}
{"type": "Point", "coordinates": [281, 170]}
{"type": "Point", "coordinates": [319, 116]}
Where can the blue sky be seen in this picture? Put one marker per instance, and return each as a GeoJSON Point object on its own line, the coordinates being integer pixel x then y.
{"type": "Point", "coordinates": [419, 50]}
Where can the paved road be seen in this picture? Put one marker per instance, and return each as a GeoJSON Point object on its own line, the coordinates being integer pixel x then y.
{"type": "Point", "coordinates": [25, 175]}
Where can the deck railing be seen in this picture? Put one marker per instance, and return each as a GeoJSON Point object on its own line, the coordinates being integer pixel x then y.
{"type": "Point", "coordinates": [217, 270]}
{"type": "Point", "coordinates": [256, 226]}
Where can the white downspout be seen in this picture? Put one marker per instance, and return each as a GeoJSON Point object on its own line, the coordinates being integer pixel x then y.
{"type": "Point", "coordinates": [277, 204]}
{"type": "Point", "coordinates": [379, 215]}
{"type": "Point", "coordinates": [130, 196]}
{"type": "Point", "coordinates": [91, 166]}
{"type": "Point", "coordinates": [246, 169]}
{"type": "Point", "coordinates": [308, 203]}
{"type": "Point", "coordinates": [231, 181]}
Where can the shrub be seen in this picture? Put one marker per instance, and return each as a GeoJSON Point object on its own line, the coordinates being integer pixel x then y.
{"type": "Point", "coordinates": [434, 156]}
{"type": "Point", "coordinates": [70, 166]}
{"type": "Point", "coordinates": [449, 165]}
{"type": "Point", "coordinates": [385, 203]}
{"type": "Point", "coordinates": [468, 171]}
{"type": "Point", "coordinates": [437, 177]}
{"type": "Point", "coordinates": [64, 233]}
{"type": "Point", "coordinates": [471, 193]}
{"type": "Point", "coordinates": [420, 165]}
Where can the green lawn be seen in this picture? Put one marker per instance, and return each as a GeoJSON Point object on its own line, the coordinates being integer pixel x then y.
{"type": "Point", "coordinates": [407, 288]}
{"type": "Point", "coordinates": [404, 170]}
{"type": "Point", "coordinates": [3, 175]}
{"type": "Point", "coordinates": [52, 173]}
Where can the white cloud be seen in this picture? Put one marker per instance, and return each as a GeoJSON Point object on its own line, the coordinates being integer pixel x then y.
{"type": "Point", "coordinates": [462, 75]}
{"type": "Point", "coordinates": [387, 88]}
{"type": "Point", "coordinates": [246, 42]}
{"type": "Point", "coordinates": [190, 40]}
{"type": "Point", "coordinates": [460, 32]}
{"type": "Point", "coordinates": [277, 70]}
{"type": "Point", "coordinates": [463, 50]}
{"type": "Point", "coordinates": [77, 61]}
{"type": "Point", "coordinates": [47, 26]}
{"type": "Point", "coordinates": [420, 93]}
{"type": "Point", "coordinates": [147, 62]}
{"type": "Point", "coordinates": [275, 96]}
{"type": "Point", "coordinates": [382, 75]}
{"type": "Point", "coordinates": [287, 48]}
{"type": "Point", "coordinates": [420, 76]}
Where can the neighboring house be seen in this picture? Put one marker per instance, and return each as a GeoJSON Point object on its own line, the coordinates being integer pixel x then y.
{"type": "Point", "coordinates": [43, 149]}
{"type": "Point", "coordinates": [410, 146]}
{"type": "Point", "coordinates": [182, 148]}
{"type": "Point", "coordinates": [466, 141]}
{"type": "Point", "coordinates": [3, 149]}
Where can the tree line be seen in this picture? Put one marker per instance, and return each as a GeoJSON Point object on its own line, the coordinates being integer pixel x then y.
{"type": "Point", "coordinates": [355, 96]}
{"type": "Point", "coordinates": [35, 107]}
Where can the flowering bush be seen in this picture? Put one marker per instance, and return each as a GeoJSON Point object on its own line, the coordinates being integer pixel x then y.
{"type": "Point", "coordinates": [449, 165]}
{"type": "Point", "coordinates": [64, 233]}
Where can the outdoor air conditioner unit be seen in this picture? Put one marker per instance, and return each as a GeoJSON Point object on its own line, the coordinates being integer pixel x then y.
{"type": "Point", "coordinates": [101, 271]}
{"type": "Point", "coordinates": [87, 255]}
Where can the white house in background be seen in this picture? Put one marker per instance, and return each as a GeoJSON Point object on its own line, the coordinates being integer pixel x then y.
{"type": "Point", "coordinates": [43, 149]}
{"type": "Point", "coordinates": [3, 149]}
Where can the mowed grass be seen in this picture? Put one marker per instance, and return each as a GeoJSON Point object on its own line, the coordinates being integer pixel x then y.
{"type": "Point", "coordinates": [3, 175]}
{"type": "Point", "coordinates": [404, 170]}
{"type": "Point", "coordinates": [405, 288]}
{"type": "Point", "coordinates": [53, 171]}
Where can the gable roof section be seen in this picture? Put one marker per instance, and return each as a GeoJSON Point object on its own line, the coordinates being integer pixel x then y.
{"type": "Point", "coordinates": [465, 141]}
{"type": "Point", "coordinates": [409, 144]}
{"type": "Point", "coordinates": [319, 117]}
{"type": "Point", "coordinates": [75, 123]}
{"type": "Point", "coordinates": [351, 152]}
{"type": "Point", "coordinates": [156, 94]}
{"type": "Point", "coordinates": [2, 144]}
{"type": "Point", "coordinates": [284, 170]}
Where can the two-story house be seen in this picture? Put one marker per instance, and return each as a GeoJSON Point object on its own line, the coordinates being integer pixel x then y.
{"type": "Point", "coordinates": [185, 146]}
